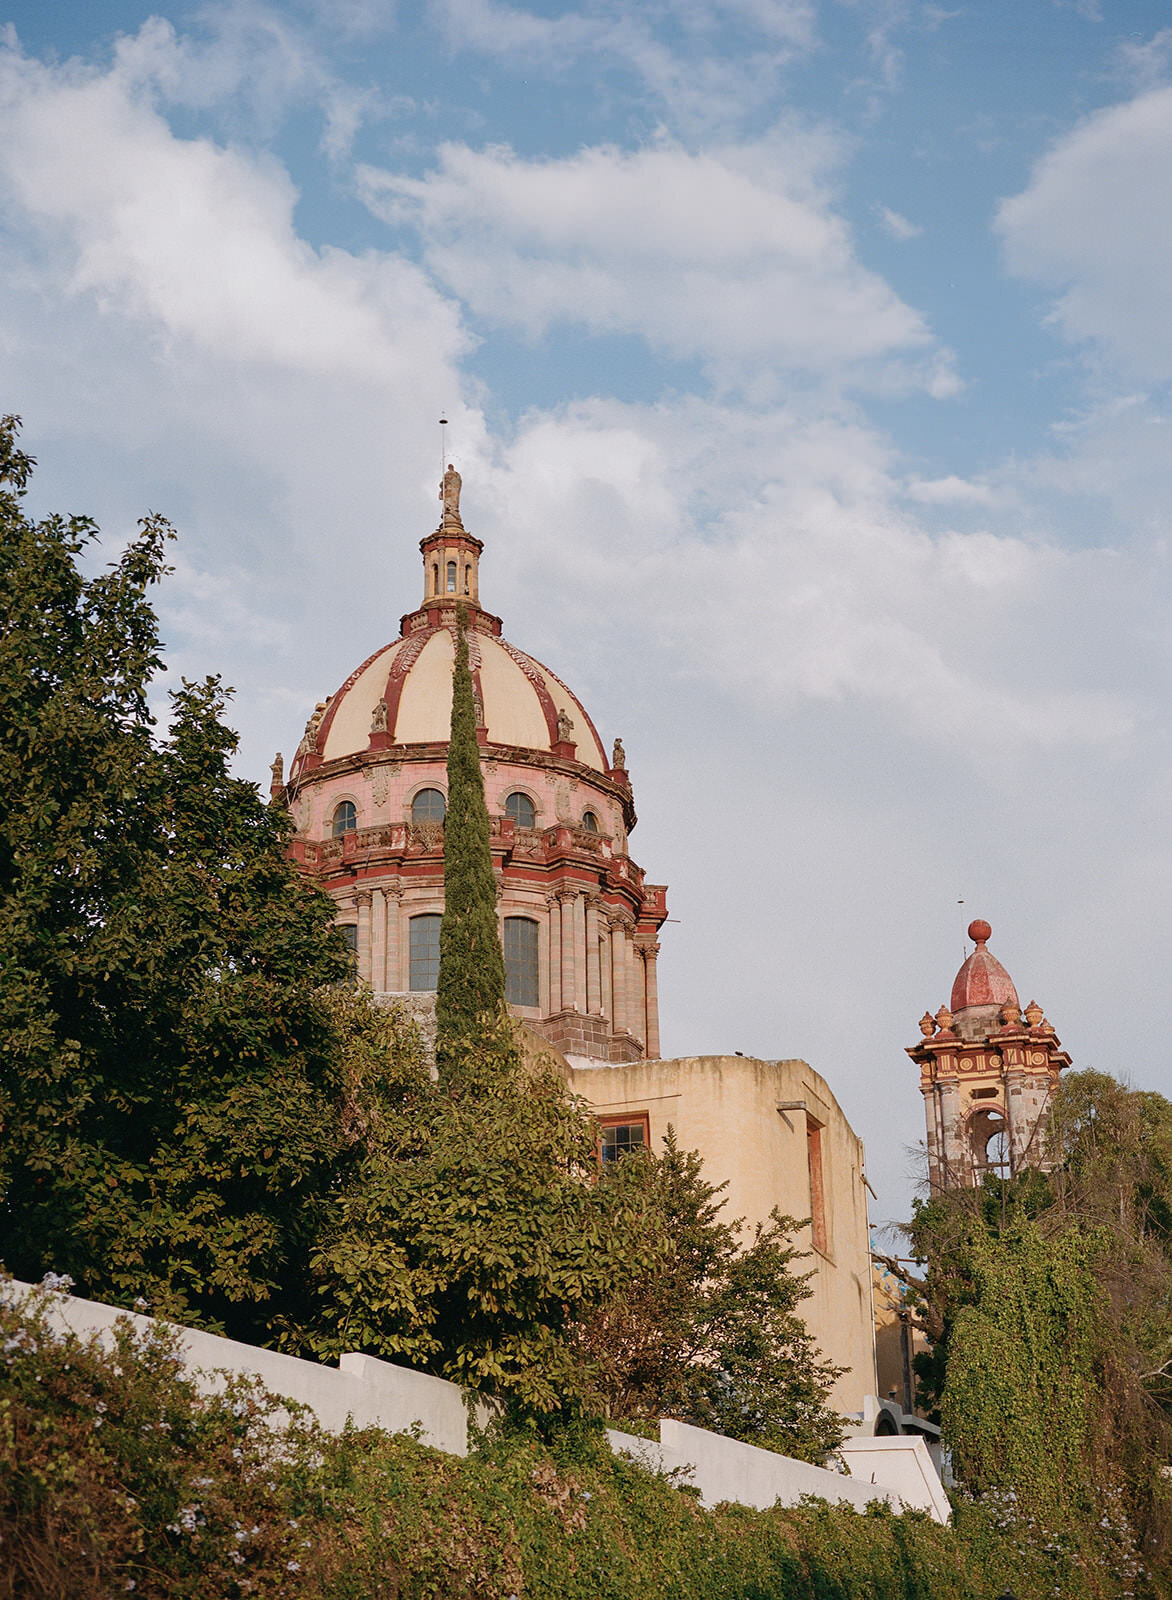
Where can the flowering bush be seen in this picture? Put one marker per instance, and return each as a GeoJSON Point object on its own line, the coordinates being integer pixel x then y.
{"type": "Point", "coordinates": [118, 1476]}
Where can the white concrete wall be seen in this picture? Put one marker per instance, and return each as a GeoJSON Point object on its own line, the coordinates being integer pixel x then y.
{"type": "Point", "coordinates": [375, 1393]}
{"type": "Point", "coordinates": [903, 1464]}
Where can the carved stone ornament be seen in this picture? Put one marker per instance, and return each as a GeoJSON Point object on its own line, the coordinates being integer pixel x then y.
{"type": "Point", "coordinates": [1010, 1015]}
{"type": "Point", "coordinates": [618, 758]}
{"type": "Point", "coordinates": [308, 744]}
{"type": "Point", "coordinates": [927, 1025]}
{"type": "Point", "coordinates": [380, 785]}
{"type": "Point", "coordinates": [1033, 1013]}
{"type": "Point", "coordinates": [378, 721]}
{"type": "Point", "coordinates": [565, 728]}
{"type": "Point", "coordinates": [944, 1020]}
{"type": "Point", "coordinates": [478, 706]}
{"type": "Point", "coordinates": [429, 835]}
{"type": "Point", "coordinates": [278, 770]}
{"type": "Point", "coordinates": [563, 803]}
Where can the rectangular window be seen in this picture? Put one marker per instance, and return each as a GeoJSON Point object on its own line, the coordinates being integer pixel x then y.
{"type": "Point", "coordinates": [349, 932]}
{"type": "Point", "coordinates": [620, 1135]}
{"type": "Point", "coordinates": [521, 961]}
{"type": "Point", "coordinates": [817, 1189]}
{"type": "Point", "coordinates": [425, 932]}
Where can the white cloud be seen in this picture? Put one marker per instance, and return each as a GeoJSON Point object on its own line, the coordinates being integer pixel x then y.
{"type": "Point", "coordinates": [783, 572]}
{"type": "Point", "coordinates": [1148, 64]}
{"type": "Point", "coordinates": [695, 79]}
{"type": "Point", "coordinates": [734, 256]}
{"type": "Point", "coordinates": [195, 239]}
{"type": "Point", "coordinates": [898, 226]}
{"type": "Point", "coordinates": [1094, 225]}
{"type": "Point", "coordinates": [949, 491]}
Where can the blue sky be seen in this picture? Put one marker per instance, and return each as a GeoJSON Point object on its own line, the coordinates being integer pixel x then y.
{"type": "Point", "coordinates": [808, 367]}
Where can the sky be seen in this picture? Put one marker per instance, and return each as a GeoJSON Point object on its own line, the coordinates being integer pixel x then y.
{"type": "Point", "coordinates": [808, 366]}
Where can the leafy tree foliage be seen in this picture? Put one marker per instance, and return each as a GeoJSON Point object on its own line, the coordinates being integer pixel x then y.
{"type": "Point", "coordinates": [1047, 1298]}
{"type": "Point", "coordinates": [166, 1065]}
{"type": "Point", "coordinates": [709, 1331]}
{"type": "Point", "coordinates": [469, 1238]}
{"type": "Point", "coordinates": [471, 988]}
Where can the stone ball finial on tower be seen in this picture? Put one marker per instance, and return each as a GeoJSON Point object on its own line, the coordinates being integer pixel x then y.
{"type": "Point", "coordinates": [982, 980]}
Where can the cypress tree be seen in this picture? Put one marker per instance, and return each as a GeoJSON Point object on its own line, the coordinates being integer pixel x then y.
{"type": "Point", "coordinates": [471, 990]}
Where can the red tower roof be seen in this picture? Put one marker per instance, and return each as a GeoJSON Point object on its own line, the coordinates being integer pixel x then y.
{"type": "Point", "coordinates": [982, 980]}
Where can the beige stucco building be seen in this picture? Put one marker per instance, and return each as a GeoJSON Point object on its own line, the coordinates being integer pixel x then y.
{"type": "Point", "coordinates": [579, 922]}
{"type": "Point", "coordinates": [776, 1134]}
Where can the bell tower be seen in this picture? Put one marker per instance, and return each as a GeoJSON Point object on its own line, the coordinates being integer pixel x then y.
{"type": "Point", "coordinates": [988, 1071]}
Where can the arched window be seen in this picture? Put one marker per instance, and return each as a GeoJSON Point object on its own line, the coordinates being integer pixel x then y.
{"type": "Point", "coordinates": [345, 818]}
{"type": "Point", "coordinates": [521, 809]}
{"type": "Point", "coordinates": [425, 933]}
{"type": "Point", "coordinates": [428, 805]}
{"type": "Point", "coordinates": [451, 577]}
{"type": "Point", "coordinates": [435, 577]}
{"type": "Point", "coordinates": [589, 822]}
{"type": "Point", "coordinates": [521, 961]}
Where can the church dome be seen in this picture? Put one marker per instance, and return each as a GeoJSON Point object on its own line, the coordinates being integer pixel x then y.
{"type": "Point", "coordinates": [982, 980]}
{"type": "Point", "coordinates": [521, 701]}
{"type": "Point", "coordinates": [367, 792]}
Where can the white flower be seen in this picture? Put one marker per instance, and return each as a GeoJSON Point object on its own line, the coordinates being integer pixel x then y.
{"type": "Point", "coordinates": [295, 1566]}
{"type": "Point", "coordinates": [57, 1282]}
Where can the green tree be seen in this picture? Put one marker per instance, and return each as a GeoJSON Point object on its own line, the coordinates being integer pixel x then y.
{"type": "Point", "coordinates": [470, 994]}
{"type": "Point", "coordinates": [709, 1331]}
{"type": "Point", "coordinates": [1047, 1298]}
{"type": "Point", "coordinates": [167, 1100]}
{"type": "Point", "coordinates": [468, 1237]}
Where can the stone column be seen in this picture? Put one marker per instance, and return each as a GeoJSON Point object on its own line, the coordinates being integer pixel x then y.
{"type": "Point", "coordinates": [604, 964]}
{"type": "Point", "coordinates": [650, 954]}
{"type": "Point", "coordinates": [619, 965]}
{"type": "Point", "coordinates": [566, 898]}
{"type": "Point", "coordinates": [362, 899]}
{"type": "Point", "coordinates": [378, 941]}
{"type": "Point", "coordinates": [580, 953]}
{"type": "Point", "coordinates": [394, 936]}
{"type": "Point", "coordinates": [593, 975]}
{"type": "Point", "coordinates": [553, 929]}
{"type": "Point", "coordinates": [956, 1158]}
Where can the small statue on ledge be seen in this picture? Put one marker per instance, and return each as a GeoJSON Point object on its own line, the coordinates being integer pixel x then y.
{"type": "Point", "coordinates": [618, 758]}
{"type": "Point", "coordinates": [277, 771]}
{"type": "Point", "coordinates": [565, 728]}
{"type": "Point", "coordinates": [378, 722]}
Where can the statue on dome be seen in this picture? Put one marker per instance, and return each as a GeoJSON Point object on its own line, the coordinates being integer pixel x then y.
{"type": "Point", "coordinates": [565, 728]}
{"type": "Point", "coordinates": [277, 771]}
{"type": "Point", "coordinates": [450, 492]}
{"type": "Point", "coordinates": [618, 759]}
{"type": "Point", "coordinates": [378, 721]}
